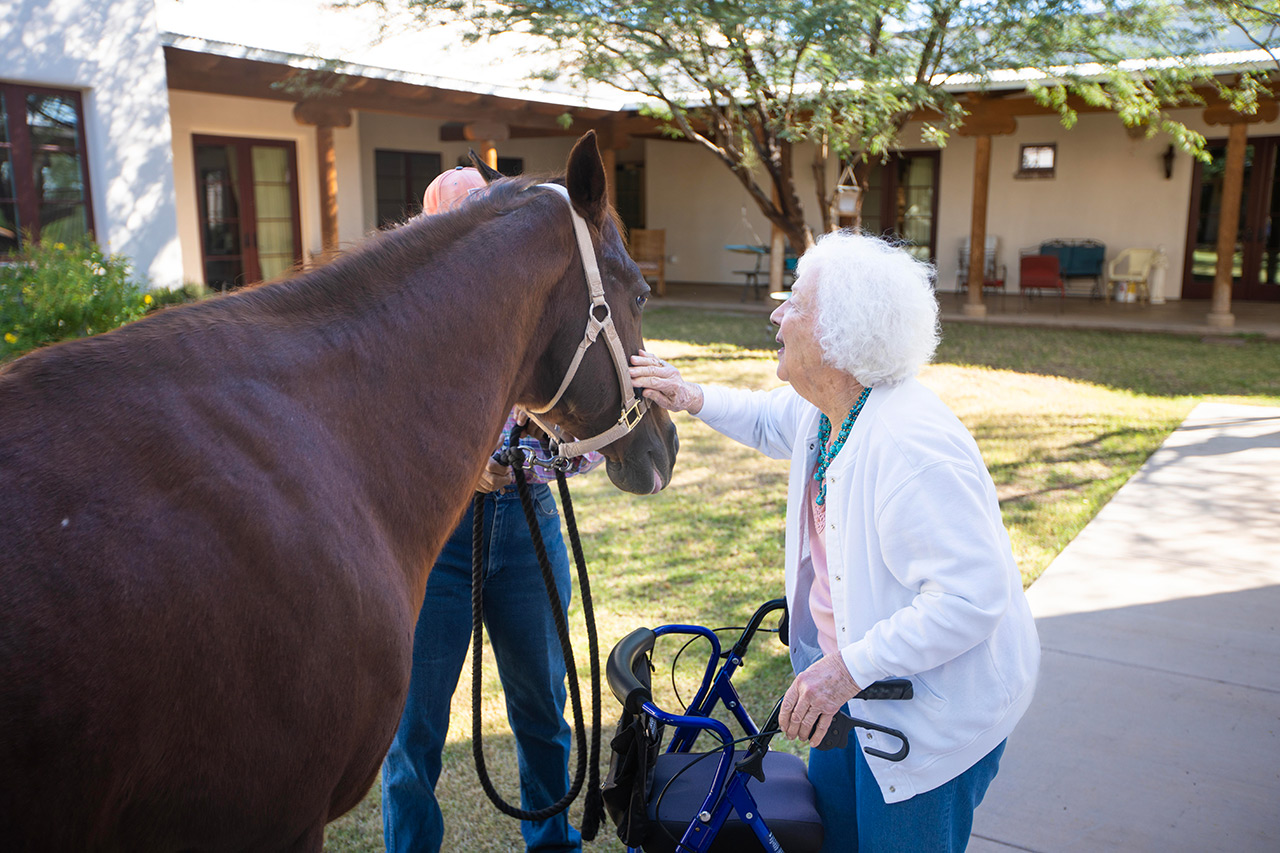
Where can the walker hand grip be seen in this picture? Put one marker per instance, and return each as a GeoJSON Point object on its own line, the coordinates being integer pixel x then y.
{"type": "Point", "coordinates": [889, 688]}
{"type": "Point", "coordinates": [620, 669]}
{"type": "Point", "coordinates": [837, 736]}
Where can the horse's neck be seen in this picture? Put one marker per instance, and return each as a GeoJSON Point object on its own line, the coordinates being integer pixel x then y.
{"type": "Point", "coordinates": [438, 364]}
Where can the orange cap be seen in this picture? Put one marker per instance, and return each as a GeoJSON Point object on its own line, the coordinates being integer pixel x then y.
{"type": "Point", "coordinates": [450, 188]}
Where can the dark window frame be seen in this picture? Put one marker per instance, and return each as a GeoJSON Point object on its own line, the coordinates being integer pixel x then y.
{"type": "Point", "coordinates": [411, 202]}
{"type": "Point", "coordinates": [21, 157]}
{"type": "Point", "coordinates": [1036, 171]}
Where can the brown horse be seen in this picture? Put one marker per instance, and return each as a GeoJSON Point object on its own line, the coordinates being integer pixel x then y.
{"type": "Point", "coordinates": [216, 524]}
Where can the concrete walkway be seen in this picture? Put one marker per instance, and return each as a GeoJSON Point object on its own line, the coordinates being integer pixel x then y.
{"type": "Point", "coordinates": [1156, 724]}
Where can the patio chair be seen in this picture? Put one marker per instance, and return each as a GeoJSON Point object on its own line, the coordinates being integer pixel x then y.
{"type": "Point", "coordinates": [648, 250]}
{"type": "Point", "coordinates": [1039, 273]}
{"type": "Point", "coordinates": [993, 272]}
{"type": "Point", "coordinates": [1131, 267]}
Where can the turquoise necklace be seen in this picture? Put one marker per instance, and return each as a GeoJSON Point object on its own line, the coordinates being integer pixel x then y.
{"type": "Point", "coordinates": [824, 435]}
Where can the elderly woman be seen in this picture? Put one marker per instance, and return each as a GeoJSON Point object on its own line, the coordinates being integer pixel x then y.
{"type": "Point", "coordinates": [897, 563]}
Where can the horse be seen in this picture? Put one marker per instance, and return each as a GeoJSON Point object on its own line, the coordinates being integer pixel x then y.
{"type": "Point", "coordinates": [216, 523]}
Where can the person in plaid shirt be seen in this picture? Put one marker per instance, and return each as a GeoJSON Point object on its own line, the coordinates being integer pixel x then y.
{"type": "Point", "coordinates": [521, 631]}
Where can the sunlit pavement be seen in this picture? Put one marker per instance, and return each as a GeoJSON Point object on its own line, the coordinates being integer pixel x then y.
{"type": "Point", "coordinates": [1156, 723]}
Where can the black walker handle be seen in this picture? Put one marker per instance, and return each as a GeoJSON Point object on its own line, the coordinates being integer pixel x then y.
{"type": "Point", "coordinates": [628, 659]}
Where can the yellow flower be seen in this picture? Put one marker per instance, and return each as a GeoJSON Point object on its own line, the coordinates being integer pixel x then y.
{"type": "Point", "coordinates": [147, 300]}
{"type": "Point", "coordinates": [10, 338]}
{"type": "Point", "coordinates": [59, 246]}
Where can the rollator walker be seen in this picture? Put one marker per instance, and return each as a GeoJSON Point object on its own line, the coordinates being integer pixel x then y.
{"type": "Point", "coordinates": [724, 800]}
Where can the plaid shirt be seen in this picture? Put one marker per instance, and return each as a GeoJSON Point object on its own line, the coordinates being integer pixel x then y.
{"type": "Point", "coordinates": [579, 465]}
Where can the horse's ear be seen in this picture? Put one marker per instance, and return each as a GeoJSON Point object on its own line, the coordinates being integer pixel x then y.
{"type": "Point", "coordinates": [486, 171]}
{"type": "Point", "coordinates": [584, 178]}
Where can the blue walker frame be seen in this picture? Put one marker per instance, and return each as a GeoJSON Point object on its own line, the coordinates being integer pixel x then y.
{"type": "Point", "coordinates": [717, 687]}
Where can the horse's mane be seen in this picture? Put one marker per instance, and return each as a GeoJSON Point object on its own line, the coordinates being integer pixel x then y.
{"type": "Point", "coordinates": [354, 282]}
{"type": "Point", "coordinates": [352, 276]}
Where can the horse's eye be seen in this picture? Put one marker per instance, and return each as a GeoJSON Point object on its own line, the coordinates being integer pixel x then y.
{"type": "Point", "coordinates": [641, 300]}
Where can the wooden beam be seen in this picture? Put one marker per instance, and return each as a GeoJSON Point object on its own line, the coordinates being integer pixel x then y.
{"type": "Point", "coordinates": [973, 306]}
{"type": "Point", "coordinates": [322, 114]}
{"type": "Point", "coordinates": [486, 131]}
{"type": "Point", "coordinates": [1224, 114]}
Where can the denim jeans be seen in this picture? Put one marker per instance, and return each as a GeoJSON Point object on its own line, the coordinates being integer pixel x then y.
{"type": "Point", "coordinates": [856, 817]}
{"type": "Point", "coordinates": [520, 628]}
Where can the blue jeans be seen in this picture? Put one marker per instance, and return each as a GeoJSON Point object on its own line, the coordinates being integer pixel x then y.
{"type": "Point", "coordinates": [855, 816]}
{"type": "Point", "coordinates": [530, 664]}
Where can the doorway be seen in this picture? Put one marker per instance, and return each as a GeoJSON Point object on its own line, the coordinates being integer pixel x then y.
{"type": "Point", "coordinates": [247, 192]}
{"type": "Point", "coordinates": [1256, 259]}
{"type": "Point", "coordinates": [901, 201]}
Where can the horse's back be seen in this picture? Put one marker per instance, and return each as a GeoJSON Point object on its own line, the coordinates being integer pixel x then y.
{"type": "Point", "coordinates": [182, 548]}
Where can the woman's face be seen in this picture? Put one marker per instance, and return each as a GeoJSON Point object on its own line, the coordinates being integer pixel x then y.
{"type": "Point", "coordinates": [800, 355]}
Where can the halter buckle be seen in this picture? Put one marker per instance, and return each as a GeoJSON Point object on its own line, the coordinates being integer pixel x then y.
{"type": "Point", "coordinates": [631, 416]}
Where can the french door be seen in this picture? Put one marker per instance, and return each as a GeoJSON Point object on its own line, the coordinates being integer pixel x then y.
{"type": "Point", "coordinates": [1255, 261]}
{"type": "Point", "coordinates": [247, 191]}
{"type": "Point", "coordinates": [901, 200]}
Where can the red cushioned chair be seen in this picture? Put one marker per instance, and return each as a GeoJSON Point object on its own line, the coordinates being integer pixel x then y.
{"type": "Point", "coordinates": [1039, 273]}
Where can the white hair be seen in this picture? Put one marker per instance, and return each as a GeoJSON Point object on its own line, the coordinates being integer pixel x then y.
{"type": "Point", "coordinates": [876, 312]}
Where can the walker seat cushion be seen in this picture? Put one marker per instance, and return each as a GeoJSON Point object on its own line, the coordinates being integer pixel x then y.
{"type": "Point", "coordinates": [786, 802]}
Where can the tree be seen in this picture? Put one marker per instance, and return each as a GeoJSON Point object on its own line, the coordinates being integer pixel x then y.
{"type": "Point", "coordinates": [751, 79]}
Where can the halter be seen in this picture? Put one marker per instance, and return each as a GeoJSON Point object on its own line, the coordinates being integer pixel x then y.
{"type": "Point", "coordinates": [633, 408]}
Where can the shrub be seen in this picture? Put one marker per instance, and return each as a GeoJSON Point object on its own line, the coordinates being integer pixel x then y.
{"type": "Point", "coordinates": [55, 291]}
{"type": "Point", "coordinates": [190, 292]}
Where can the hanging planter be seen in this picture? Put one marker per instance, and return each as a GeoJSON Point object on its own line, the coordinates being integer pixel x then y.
{"type": "Point", "coordinates": [844, 199]}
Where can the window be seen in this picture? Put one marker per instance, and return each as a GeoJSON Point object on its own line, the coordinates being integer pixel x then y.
{"type": "Point", "coordinates": [44, 176]}
{"type": "Point", "coordinates": [511, 166]}
{"type": "Point", "coordinates": [402, 177]}
{"type": "Point", "coordinates": [1037, 161]}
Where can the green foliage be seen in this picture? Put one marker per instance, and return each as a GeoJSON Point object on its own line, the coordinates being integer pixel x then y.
{"type": "Point", "coordinates": [56, 291]}
{"type": "Point", "coordinates": [749, 79]}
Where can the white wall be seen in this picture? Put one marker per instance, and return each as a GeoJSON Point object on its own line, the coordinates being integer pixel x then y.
{"type": "Point", "coordinates": [1107, 187]}
{"type": "Point", "coordinates": [220, 115]}
{"type": "Point", "coordinates": [698, 201]}
{"type": "Point", "coordinates": [110, 51]}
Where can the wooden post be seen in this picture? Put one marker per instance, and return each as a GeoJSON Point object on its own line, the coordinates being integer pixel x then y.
{"type": "Point", "coordinates": [611, 137]}
{"type": "Point", "coordinates": [488, 134]}
{"type": "Point", "coordinates": [777, 251]}
{"type": "Point", "coordinates": [985, 120]}
{"type": "Point", "coordinates": [327, 159]}
{"type": "Point", "coordinates": [325, 116]}
{"type": "Point", "coordinates": [609, 158]}
{"type": "Point", "coordinates": [973, 306]}
{"type": "Point", "coordinates": [1220, 315]}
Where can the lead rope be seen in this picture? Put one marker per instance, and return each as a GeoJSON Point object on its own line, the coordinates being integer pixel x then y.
{"type": "Point", "coordinates": [593, 807]}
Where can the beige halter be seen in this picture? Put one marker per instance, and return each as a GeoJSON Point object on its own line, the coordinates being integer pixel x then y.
{"type": "Point", "coordinates": [633, 408]}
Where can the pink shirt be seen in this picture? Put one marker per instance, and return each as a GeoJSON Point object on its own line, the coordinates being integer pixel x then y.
{"type": "Point", "coordinates": [820, 607]}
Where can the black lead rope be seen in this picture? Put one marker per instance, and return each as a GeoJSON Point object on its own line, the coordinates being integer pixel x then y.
{"type": "Point", "coordinates": [588, 767]}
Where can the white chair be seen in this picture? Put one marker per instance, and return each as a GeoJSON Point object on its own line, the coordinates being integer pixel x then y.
{"type": "Point", "coordinates": [993, 272]}
{"type": "Point", "coordinates": [1131, 267]}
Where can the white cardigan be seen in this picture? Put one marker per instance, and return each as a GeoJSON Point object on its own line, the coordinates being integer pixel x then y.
{"type": "Point", "coordinates": [923, 579]}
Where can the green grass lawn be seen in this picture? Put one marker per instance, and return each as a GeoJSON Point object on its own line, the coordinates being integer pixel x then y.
{"type": "Point", "coordinates": [1063, 418]}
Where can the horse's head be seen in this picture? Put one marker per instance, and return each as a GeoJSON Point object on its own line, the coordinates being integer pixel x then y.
{"type": "Point", "coordinates": [591, 397]}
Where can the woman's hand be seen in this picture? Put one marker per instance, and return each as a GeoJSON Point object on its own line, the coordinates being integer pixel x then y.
{"type": "Point", "coordinates": [494, 477]}
{"type": "Point", "coordinates": [662, 384]}
{"type": "Point", "coordinates": [815, 697]}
